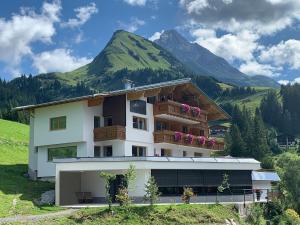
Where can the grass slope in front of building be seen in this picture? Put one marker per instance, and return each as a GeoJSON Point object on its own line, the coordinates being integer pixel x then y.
{"type": "Point", "coordinates": [16, 191]}
{"type": "Point", "coordinates": [159, 215]}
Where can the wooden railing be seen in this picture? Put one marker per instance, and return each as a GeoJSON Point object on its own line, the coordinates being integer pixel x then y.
{"type": "Point", "coordinates": [109, 133]}
{"type": "Point", "coordinates": [175, 109]}
{"type": "Point", "coordinates": [167, 136]}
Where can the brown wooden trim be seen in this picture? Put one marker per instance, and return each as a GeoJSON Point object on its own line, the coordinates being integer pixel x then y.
{"type": "Point", "coordinates": [95, 101]}
{"type": "Point", "coordinates": [135, 95]}
{"type": "Point", "coordinates": [152, 92]}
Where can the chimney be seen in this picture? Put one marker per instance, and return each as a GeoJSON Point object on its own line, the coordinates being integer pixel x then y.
{"type": "Point", "coordinates": [128, 84]}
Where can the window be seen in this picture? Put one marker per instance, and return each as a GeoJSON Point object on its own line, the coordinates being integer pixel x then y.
{"type": "Point", "coordinates": [151, 99]}
{"type": "Point", "coordinates": [62, 152]}
{"type": "Point", "coordinates": [138, 151]}
{"type": "Point", "coordinates": [201, 132]}
{"type": "Point", "coordinates": [107, 151]}
{"type": "Point", "coordinates": [96, 121]}
{"type": "Point", "coordinates": [58, 123]}
{"type": "Point", "coordinates": [108, 121]}
{"type": "Point", "coordinates": [185, 129]}
{"type": "Point", "coordinates": [160, 125]}
{"type": "Point", "coordinates": [184, 153]}
{"type": "Point", "coordinates": [197, 154]}
{"type": "Point", "coordinates": [138, 106]}
{"type": "Point", "coordinates": [97, 151]}
{"type": "Point", "coordinates": [139, 123]}
{"type": "Point", "coordinates": [166, 152]}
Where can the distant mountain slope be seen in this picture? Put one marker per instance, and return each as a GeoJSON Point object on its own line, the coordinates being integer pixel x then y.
{"type": "Point", "coordinates": [204, 62]}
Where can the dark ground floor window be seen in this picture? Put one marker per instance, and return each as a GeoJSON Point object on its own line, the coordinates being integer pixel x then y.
{"type": "Point", "coordinates": [202, 191]}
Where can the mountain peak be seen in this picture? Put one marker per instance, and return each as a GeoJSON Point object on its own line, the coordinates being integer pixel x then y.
{"type": "Point", "coordinates": [204, 62]}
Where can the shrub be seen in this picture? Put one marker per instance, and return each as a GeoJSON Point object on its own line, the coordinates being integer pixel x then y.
{"type": "Point", "coordinates": [122, 197]}
{"type": "Point", "coordinates": [151, 190]}
{"type": "Point", "coordinates": [187, 194]}
{"type": "Point", "coordinates": [291, 217]}
{"type": "Point", "coordinates": [255, 216]}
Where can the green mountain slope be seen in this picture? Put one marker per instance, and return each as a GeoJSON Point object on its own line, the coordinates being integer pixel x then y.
{"type": "Point", "coordinates": [125, 51]}
{"type": "Point", "coordinates": [14, 187]}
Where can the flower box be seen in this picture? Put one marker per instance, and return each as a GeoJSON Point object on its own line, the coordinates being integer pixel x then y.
{"type": "Point", "coordinates": [189, 138]}
{"type": "Point", "coordinates": [185, 108]}
{"type": "Point", "coordinates": [195, 111]}
{"type": "Point", "coordinates": [177, 136]}
{"type": "Point", "coordinates": [211, 142]}
{"type": "Point", "coordinates": [201, 140]}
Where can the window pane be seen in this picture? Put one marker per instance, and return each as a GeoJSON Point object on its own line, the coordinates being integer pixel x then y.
{"type": "Point", "coordinates": [135, 122]}
{"type": "Point", "coordinates": [107, 151]}
{"type": "Point", "coordinates": [138, 106]}
{"type": "Point", "coordinates": [62, 152]}
{"type": "Point", "coordinates": [107, 121]}
{"type": "Point", "coordinates": [97, 151]}
{"type": "Point", "coordinates": [96, 121]}
{"type": "Point", "coordinates": [134, 151]}
{"type": "Point", "coordinates": [58, 123]}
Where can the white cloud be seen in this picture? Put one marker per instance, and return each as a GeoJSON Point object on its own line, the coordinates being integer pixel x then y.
{"type": "Point", "coordinates": [133, 25]}
{"type": "Point", "coordinates": [255, 68]}
{"type": "Point", "coordinates": [156, 36]}
{"type": "Point", "coordinates": [283, 82]}
{"type": "Point", "coordinates": [83, 14]}
{"type": "Point", "coordinates": [136, 2]}
{"type": "Point", "coordinates": [58, 60]}
{"type": "Point", "coordinates": [240, 46]}
{"type": "Point", "coordinates": [234, 16]}
{"type": "Point", "coordinates": [79, 38]}
{"type": "Point", "coordinates": [18, 33]}
{"type": "Point", "coordinates": [286, 82]}
{"type": "Point", "coordinates": [285, 53]}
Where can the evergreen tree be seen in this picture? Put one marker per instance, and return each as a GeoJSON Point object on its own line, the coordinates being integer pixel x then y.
{"type": "Point", "coordinates": [237, 145]}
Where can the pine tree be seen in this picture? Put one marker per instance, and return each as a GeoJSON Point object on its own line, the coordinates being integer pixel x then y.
{"type": "Point", "coordinates": [237, 146]}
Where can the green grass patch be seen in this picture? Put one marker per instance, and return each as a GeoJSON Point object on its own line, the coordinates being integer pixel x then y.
{"type": "Point", "coordinates": [164, 215]}
{"type": "Point", "coordinates": [17, 192]}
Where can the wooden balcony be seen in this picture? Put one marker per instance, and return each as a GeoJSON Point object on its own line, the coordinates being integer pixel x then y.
{"type": "Point", "coordinates": [173, 110]}
{"type": "Point", "coordinates": [167, 136]}
{"type": "Point", "coordinates": [109, 133]}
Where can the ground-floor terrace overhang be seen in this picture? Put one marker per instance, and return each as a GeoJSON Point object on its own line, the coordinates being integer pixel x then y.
{"type": "Point", "coordinates": [78, 179]}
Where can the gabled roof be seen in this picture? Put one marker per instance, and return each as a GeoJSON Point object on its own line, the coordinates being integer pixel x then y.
{"type": "Point", "coordinates": [186, 81]}
{"type": "Point", "coordinates": [265, 176]}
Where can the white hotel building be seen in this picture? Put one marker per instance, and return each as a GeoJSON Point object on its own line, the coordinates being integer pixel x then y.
{"type": "Point", "coordinates": [157, 128]}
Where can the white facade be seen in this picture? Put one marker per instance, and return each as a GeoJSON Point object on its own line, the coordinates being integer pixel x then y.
{"type": "Point", "coordinates": [79, 132]}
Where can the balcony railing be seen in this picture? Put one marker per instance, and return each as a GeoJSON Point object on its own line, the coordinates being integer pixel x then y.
{"type": "Point", "coordinates": [175, 109]}
{"type": "Point", "coordinates": [109, 133]}
{"type": "Point", "coordinates": [167, 136]}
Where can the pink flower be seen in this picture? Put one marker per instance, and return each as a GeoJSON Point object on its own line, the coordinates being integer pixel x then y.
{"type": "Point", "coordinates": [185, 108]}
{"type": "Point", "coordinates": [177, 136]}
{"type": "Point", "coordinates": [201, 140]}
{"type": "Point", "coordinates": [189, 138]}
{"type": "Point", "coordinates": [196, 111]}
{"type": "Point", "coordinates": [211, 142]}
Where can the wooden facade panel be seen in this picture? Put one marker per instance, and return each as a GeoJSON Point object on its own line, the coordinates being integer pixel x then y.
{"type": "Point", "coordinates": [115, 107]}
{"type": "Point", "coordinates": [109, 133]}
{"type": "Point", "coordinates": [95, 101]}
{"type": "Point", "coordinates": [135, 95]}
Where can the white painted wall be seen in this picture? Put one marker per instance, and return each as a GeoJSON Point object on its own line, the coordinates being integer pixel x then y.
{"type": "Point", "coordinates": [177, 150]}
{"type": "Point", "coordinates": [262, 185]}
{"type": "Point", "coordinates": [46, 168]}
{"type": "Point", "coordinates": [74, 131]}
{"type": "Point", "coordinates": [32, 154]}
{"type": "Point", "coordinates": [92, 182]}
{"type": "Point", "coordinates": [136, 136]}
{"type": "Point", "coordinates": [117, 145]}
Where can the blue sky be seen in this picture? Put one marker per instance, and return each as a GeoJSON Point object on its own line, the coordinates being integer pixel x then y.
{"type": "Point", "coordinates": [259, 37]}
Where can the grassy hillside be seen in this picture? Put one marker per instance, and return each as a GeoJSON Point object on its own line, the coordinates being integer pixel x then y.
{"type": "Point", "coordinates": [160, 215]}
{"type": "Point", "coordinates": [251, 102]}
{"type": "Point", "coordinates": [17, 192]}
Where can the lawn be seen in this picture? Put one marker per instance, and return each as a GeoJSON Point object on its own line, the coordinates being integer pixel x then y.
{"type": "Point", "coordinates": [16, 191]}
{"type": "Point", "coordinates": [159, 215]}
